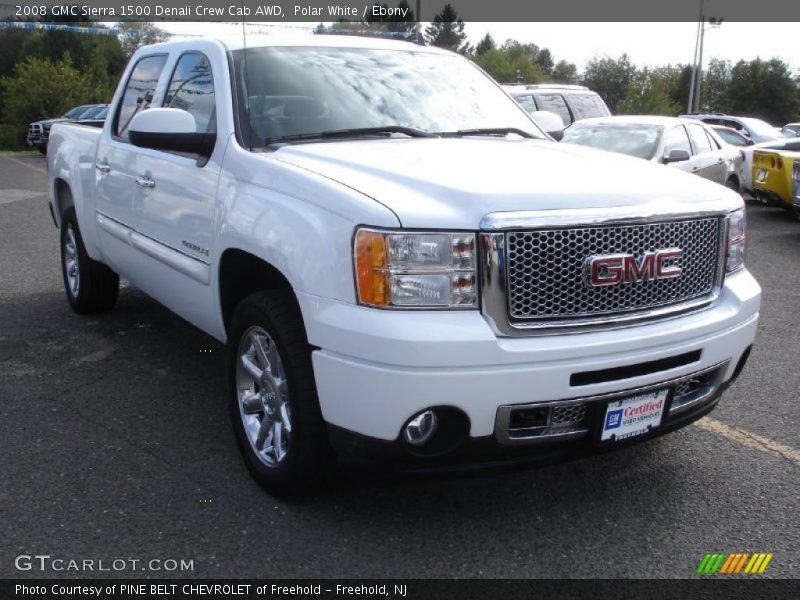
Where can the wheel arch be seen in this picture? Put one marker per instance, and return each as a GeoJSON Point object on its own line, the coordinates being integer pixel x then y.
{"type": "Point", "coordinates": [63, 198]}
{"type": "Point", "coordinates": [241, 274]}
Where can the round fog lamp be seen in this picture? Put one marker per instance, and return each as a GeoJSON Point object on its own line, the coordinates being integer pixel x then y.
{"type": "Point", "coordinates": [420, 429]}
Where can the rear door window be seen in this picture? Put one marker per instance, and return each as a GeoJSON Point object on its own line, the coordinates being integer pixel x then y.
{"type": "Point", "coordinates": [192, 89]}
{"type": "Point", "coordinates": [554, 103]}
{"type": "Point", "coordinates": [700, 141]}
{"type": "Point", "coordinates": [712, 141]}
{"type": "Point", "coordinates": [138, 92]}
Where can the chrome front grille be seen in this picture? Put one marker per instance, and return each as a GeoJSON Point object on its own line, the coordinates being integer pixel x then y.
{"type": "Point", "coordinates": [545, 269]}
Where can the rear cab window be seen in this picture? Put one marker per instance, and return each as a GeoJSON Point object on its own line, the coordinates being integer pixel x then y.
{"type": "Point", "coordinates": [138, 92]}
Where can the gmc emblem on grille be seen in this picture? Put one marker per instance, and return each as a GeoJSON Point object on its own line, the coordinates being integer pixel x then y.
{"type": "Point", "coordinates": [614, 269]}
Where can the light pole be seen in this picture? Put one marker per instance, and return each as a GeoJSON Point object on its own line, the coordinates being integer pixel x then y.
{"type": "Point", "coordinates": [712, 23]}
{"type": "Point", "coordinates": [690, 104]}
{"type": "Point", "coordinates": [697, 65]}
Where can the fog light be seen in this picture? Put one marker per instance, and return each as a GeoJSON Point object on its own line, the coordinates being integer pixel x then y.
{"type": "Point", "coordinates": [420, 429]}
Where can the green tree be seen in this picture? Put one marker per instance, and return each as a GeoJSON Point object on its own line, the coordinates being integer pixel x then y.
{"type": "Point", "coordinates": [764, 89]}
{"type": "Point", "coordinates": [545, 60]}
{"type": "Point", "coordinates": [714, 95]}
{"type": "Point", "coordinates": [648, 93]}
{"type": "Point", "coordinates": [135, 34]}
{"type": "Point", "coordinates": [565, 72]}
{"type": "Point", "coordinates": [610, 78]}
{"type": "Point", "coordinates": [40, 88]}
{"type": "Point", "coordinates": [447, 31]}
{"type": "Point", "coordinates": [487, 43]}
{"type": "Point", "coordinates": [507, 67]}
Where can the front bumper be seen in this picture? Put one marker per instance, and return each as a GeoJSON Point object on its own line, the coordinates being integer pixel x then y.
{"type": "Point", "coordinates": [376, 369]}
{"type": "Point", "coordinates": [485, 453]}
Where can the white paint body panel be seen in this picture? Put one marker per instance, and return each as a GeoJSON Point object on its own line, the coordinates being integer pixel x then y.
{"type": "Point", "coordinates": [297, 208]}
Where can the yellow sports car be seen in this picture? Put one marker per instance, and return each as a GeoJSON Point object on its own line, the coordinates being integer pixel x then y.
{"type": "Point", "coordinates": [776, 178]}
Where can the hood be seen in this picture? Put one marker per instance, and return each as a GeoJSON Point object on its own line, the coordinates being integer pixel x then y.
{"type": "Point", "coordinates": [454, 182]}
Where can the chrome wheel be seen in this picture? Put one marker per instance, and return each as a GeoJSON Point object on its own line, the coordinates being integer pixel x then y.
{"type": "Point", "coordinates": [71, 266]}
{"type": "Point", "coordinates": [263, 396]}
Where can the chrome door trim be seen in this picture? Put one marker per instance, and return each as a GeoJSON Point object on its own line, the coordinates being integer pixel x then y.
{"type": "Point", "coordinates": [113, 227]}
{"type": "Point", "coordinates": [183, 263]}
{"type": "Point", "coordinates": [190, 266]}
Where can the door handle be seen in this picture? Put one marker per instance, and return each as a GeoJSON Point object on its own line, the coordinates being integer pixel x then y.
{"type": "Point", "coordinates": [145, 182]}
{"type": "Point", "coordinates": [102, 167]}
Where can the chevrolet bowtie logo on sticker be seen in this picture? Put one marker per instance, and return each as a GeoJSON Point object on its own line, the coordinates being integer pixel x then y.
{"type": "Point", "coordinates": [734, 563]}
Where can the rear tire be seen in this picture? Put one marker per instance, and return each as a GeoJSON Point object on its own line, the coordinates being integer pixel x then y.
{"type": "Point", "coordinates": [273, 400]}
{"type": "Point", "coordinates": [91, 286]}
{"type": "Point", "coordinates": [43, 149]}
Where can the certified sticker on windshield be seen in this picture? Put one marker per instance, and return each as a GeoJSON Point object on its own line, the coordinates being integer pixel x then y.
{"type": "Point", "coordinates": [634, 415]}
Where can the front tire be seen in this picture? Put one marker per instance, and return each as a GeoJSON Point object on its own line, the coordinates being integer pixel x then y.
{"type": "Point", "coordinates": [91, 286]}
{"type": "Point", "coordinates": [272, 396]}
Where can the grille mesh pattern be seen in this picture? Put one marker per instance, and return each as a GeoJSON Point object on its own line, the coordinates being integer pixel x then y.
{"type": "Point", "coordinates": [545, 268]}
{"type": "Point", "coordinates": [572, 413]}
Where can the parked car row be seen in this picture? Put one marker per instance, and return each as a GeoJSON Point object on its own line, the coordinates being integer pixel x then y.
{"type": "Point", "coordinates": [742, 153]}
{"type": "Point", "coordinates": [39, 131]}
{"type": "Point", "coordinates": [682, 143]}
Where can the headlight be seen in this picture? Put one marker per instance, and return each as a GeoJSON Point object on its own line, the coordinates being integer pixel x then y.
{"type": "Point", "coordinates": [737, 229]}
{"type": "Point", "coordinates": [399, 269]}
{"type": "Point", "coordinates": [796, 171]}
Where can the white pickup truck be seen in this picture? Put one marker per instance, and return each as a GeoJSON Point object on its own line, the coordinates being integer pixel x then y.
{"type": "Point", "coordinates": [404, 268]}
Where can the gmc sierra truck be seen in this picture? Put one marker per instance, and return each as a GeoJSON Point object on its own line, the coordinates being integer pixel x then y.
{"type": "Point", "coordinates": [404, 267]}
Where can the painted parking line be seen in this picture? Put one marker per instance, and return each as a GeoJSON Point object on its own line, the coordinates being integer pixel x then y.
{"type": "Point", "coordinates": [27, 164]}
{"type": "Point", "coordinates": [751, 440]}
{"type": "Point", "coordinates": [9, 196]}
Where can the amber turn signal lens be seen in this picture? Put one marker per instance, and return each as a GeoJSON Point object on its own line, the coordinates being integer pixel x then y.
{"type": "Point", "coordinates": [372, 275]}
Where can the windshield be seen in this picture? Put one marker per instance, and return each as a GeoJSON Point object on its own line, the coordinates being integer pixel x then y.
{"type": "Point", "coordinates": [92, 112]}
{"type": "Point", "coordinates": [626, 138]}
{"type": "Point", "coordinates": [75, 112]}
{"type": "Point", "coordinates": [285, 91]}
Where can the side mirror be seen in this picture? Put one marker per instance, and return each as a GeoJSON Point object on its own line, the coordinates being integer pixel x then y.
{"type": "Point", "coordinates": [677, 155]}
{"type": "Point", "coordinates": [550, 122]}
{"type": "Point", "coordinates": [170, 129]}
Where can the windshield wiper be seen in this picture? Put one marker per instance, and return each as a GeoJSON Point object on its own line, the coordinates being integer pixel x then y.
{"type": "Point", "coordinates": [486, 131]}
{"type": "Point", "coordinates": [350, 133]}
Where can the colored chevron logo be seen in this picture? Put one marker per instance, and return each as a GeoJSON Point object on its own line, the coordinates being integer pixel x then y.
{"type": "Point", "coordinates": [733, 563]}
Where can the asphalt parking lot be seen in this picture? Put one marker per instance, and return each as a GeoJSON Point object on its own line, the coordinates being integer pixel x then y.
{"type": "Point", "coordinates": [115, 442]}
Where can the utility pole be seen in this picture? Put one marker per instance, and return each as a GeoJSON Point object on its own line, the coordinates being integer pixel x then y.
{"type": "Point", "coordinates": [697, 44]}
{"type": "Point", "coordinates": [712, 22]}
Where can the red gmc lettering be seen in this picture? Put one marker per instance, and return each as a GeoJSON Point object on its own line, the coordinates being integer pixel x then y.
{"type": "Point", "coordinates": [615, 269]}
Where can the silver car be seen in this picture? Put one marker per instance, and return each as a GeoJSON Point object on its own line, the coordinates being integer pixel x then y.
{"type": "Point", "coordinates": [686, 144]}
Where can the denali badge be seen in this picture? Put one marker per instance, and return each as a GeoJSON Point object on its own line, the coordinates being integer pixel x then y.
{"type": "Point", "coordinates": [613, 269]}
